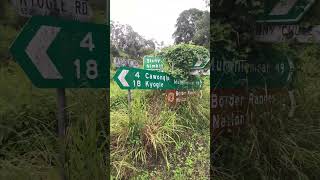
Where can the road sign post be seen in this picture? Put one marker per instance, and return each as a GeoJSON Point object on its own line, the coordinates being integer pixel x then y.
{"type": "Point", "coordinates": [132, 78]}
{"type": "Point", "coordinates": [61, 116]}
{"type": "Point", "coordinates": [51, 52]}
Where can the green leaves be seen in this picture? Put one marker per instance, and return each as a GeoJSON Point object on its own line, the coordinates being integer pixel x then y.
{"type": "Point", "coordinates": [180, 58]}
{"type": "Point", "coordinates": [193, 25]}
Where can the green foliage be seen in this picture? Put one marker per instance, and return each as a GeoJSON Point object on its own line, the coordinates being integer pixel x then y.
{"type": "Point", "coordinates": [180, 58]}
{"type": "Point", "coordinates": [272, 146]}
{"type": "Point", "coordinates": [186, 25]}
{"type": "Point", "coordinates": [125, 39]}
{"type": "Point", "coordinates": [7, 35]}
{"type": "Point", "coordinates": [156, 141]}
{"type": "Point", "coordinates": [202, 33]}
{"type": "Point", "coordinates": [28, 136]}
{"type": "Point", "coordinates": [193, 26]}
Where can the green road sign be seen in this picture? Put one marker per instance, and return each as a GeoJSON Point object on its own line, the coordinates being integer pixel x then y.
{"type": "Point", "coordinates": [57, 53]}
{"type": "Point", "coordinates": [200, 64]}
{"type": "Point", "coordinates": [154, 63]}
{"type": "Point", "coordinates": [289, 11]}
{"type": "Point", "coordinates": [132, 78]}
{"type": "Point", "coordinates": [267, 68]}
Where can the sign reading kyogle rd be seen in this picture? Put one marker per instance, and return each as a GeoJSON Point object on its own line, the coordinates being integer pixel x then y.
{"type": "Point", "coordinates": [57, 53]}
{"type": "Point", "coordinates": [265, 68]}
{"type": "Point", "coordinates": [285, 33]}
{"type": "Point", "coordinates": [285, 11]}
{"type": "Point", "coordinates": [154, 63]}
{"type": "Point", "coordinates": [132, 78]}
{"type": "Point", "coordinates": [76, 9]}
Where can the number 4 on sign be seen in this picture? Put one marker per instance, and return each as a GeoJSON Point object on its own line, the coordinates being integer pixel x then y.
{"type": "Point", "coordinates": [87, 42]}
{"type": "Point", "coordinates": [137, 75]}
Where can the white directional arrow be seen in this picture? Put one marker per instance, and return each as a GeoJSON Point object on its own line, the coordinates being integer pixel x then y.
{"type": "Point", "coordinates": [37, 52]}
{"type": "Point", "coordinates": [283, 7]}
{"type": "Point", "coordinates": [199, 62]}
{"type": "Point", "coordinates": [122, 76]}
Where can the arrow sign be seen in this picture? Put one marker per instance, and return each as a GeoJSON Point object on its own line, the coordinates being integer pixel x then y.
{"type": "Point", "coordinates": [37, 52]}
{"type": "Point", "coordinates": [63, 54]}
{"type": "Point", "coordinates": [133, 78]}
{"type": "Point", "coordinates": [285, 33]}
{"type": "Point", "coordinates": [200, 63]}
{"type": "Point", "coordinates": [76, 9]}
{"type": "Point", "coordinates": [288, 11]}
{"type": "Point", "coordinates": [122, 77]}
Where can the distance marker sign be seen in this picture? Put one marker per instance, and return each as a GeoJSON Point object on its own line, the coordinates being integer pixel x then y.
{"type": "Point", "coordinates": [132, 78]}
{"type": "Point", "coordinates": [56, 53]}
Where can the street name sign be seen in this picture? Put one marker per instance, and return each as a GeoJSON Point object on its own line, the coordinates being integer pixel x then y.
{"type": "Point", "coordinates": [133, 78]}
{"type": "Point", "coordinates": [75, 9]}
{"type": "Point", "coordinates": [120, 62]}
{"type": "Point", "coordinates": [284, 11]}
{"type": "Point", "coordinates": [58, 53]}
{"type": "Point", "coordinates": [265, 68]}
{"type": "Point", "coordinates": [154, 63]}
{"type": "Point", "coordinates": [285, 33]}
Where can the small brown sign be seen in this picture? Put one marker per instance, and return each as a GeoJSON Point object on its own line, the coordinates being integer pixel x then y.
{"type": "Point", "coordinates": [175, 96]}
{"type": "Point", "coordinates": [234, 108]}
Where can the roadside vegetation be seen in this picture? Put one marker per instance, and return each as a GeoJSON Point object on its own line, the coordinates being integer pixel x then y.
{"type": "Point", "coordinates": [29, 145]}
{"type": "Point", "coordinates": [273, 146]}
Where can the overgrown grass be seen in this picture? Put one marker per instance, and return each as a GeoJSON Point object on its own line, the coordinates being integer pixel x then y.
{"type": "Point", "coordinates": [29, 147]}
{"type": "Point", "coordinates": [275, 146]}
{"type": "Point", "coordinates": [157, 140]}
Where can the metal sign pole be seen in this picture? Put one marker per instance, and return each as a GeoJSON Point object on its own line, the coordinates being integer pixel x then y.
{"type": "Point", "coordinates": [129, 103]}
{"type": "Point", "coordinates": [107, 146]}
{"type": "Point", "coordinates": [61, 116]}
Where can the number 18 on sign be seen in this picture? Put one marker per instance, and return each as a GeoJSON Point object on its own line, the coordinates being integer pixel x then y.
{"type": "Point", "coordinates": [63, 54]}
